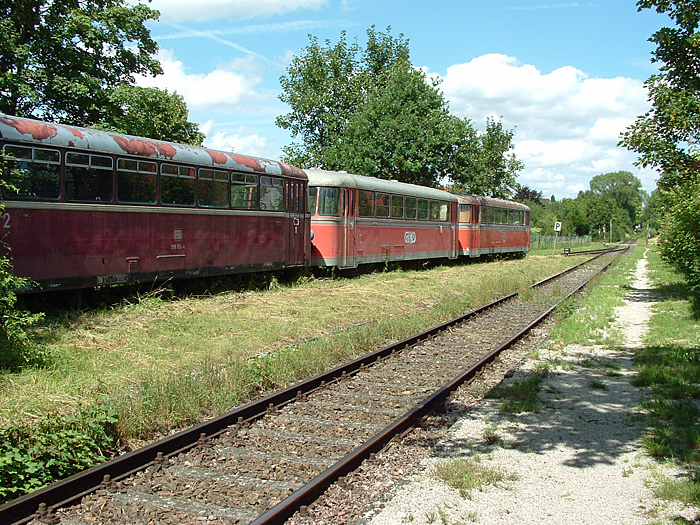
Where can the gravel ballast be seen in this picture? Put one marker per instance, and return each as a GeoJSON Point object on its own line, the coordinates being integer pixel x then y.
{"type": "Point", "coordinates": [579, 460]}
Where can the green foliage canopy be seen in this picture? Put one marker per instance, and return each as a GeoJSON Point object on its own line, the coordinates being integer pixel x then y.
{"type": "Point", "coordinates": [667, 136]}
{"type": "Point", "coordinates": [616, 197]}
{"type": "Point", "coordinates": [151, 112]}
{"type": "Point", "coordinates": [369, 111]}
{"type": "Point", "coordinates": [60, 60]}
{"type": "Point", "coordinates": [495, 166]}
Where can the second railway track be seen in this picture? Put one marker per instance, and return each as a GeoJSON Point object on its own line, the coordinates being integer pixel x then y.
{"type": "Point", "coordinates": [262, 462]}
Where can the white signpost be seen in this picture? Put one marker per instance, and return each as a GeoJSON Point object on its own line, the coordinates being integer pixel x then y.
{"type": "Point", "coordinates": [557, 229]}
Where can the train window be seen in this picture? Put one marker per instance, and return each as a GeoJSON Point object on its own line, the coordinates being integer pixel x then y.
{"type": "Point", "coordinates": [136, 181]}
{"type": "Point", "coordinates": [244, 191]}
{"type": "Point", "coordinates": [212, 188]}
{"type": "Point", "coordinates": [411, 207]}
{"type": "Point", "coordinates": [313, 196]}
{"type": "Point", "coordinates": [434, 210]}
{"type": "Point", "coordinates": [271, 194]}
{"type": "Point", "coordinates": [88, 177]}
{"type": "Point", "coordinates": [177, 185]}
{"type": "Point", "coordinates": [423, 209]}
{"type": "Point", "coordinates": [366, 201]}
{"type": "Point", "coordinates": [32, 173]}
{"type": "Point", "coordinates": [328, 199]}
{"type": "Point", "coordinates": [382, 205]}
{"type": "Point", "coordinates": [444, 211]}
{"type": "Point", "coordinates": [397, 206]}
{"type": "Point", "coordinates": [465, 213]}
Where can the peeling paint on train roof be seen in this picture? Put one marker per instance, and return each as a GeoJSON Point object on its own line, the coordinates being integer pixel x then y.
{"type": "Point", "coordinates": [76, 132]}
{"type": "Point", "coordinates": [38, 130]}
{"type": "Point", "coordinates": [145, 147]}
{"type": "Point", "coordinates": [28, 130]}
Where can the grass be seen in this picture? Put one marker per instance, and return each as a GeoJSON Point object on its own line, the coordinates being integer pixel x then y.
{"type": "Point", "coordinates": [162, 364]}
{"type": "Point", "coordinates": [467, 474]}
{"type": "Point", "coordinates": [521, 395]}
{"type": "Point", "coordinates": [668, 368]}
{"type": "Point", "coordinates": [589, 322]}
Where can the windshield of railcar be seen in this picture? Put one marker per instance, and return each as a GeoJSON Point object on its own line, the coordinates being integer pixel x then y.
{"type": "Point", "coordinates": [313, 198]}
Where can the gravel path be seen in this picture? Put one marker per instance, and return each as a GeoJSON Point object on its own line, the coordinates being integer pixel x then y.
{"type": "Point", "coordinates": [579, 460]}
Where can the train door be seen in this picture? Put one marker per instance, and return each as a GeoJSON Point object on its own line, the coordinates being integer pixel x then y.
{"type": "Point", "coordinates": [454, 218]}
{"type": "Point", "coordinates": [474, 248]}
{"type": "Point", "coordinates": [296, 203]}
{"type": "Point", "coordinates": [348, 220]}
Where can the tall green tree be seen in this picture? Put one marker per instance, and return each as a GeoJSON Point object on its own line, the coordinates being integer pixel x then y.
{"type": "Point", "coordinates": [404, 132]}
{"type": "Point", "coordinates": [153, 113]}
{"type": "Point", "coordinates": [370, 111]}
{"type": "Point", "coordinates": [496, 167]}
{"type": "Point", "coordinates": [323, 87]}
{"type": "Point", "coordinates": [625, 190]}
{"type": "Point", "coordinates": [524, 193]}
{"type": "Point", "coordinates": [667, 136]}
{"type": "Point", "coordinates": [59, 60]}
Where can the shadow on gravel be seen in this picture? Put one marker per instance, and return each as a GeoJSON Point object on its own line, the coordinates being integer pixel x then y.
{"type": "Point", "coordinates": [587, 413]}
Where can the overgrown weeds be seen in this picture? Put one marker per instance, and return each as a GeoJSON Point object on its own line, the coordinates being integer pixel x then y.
{"type": "Point", "coordinates": [58, 446]}
{"type": "Point", "coordinates": [162, 364]}
{"type": "Point", "coordinates": [668, 368]}
{"type": "Point", "coordinates": [522, 395]}
{"type": "Point", "coordinates": [467, 474]}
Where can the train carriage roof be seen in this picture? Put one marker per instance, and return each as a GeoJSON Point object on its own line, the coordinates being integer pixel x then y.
{"type": "Point", "coordinates": [491, 201]}
{"type": "Point", "coordinates": [348, 180]}
{"type": "Point", "coordinates": [49, 134]}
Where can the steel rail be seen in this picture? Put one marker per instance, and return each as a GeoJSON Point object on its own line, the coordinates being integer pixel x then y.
{"type": "Point", "coordinates": [70, 490]}
{"type": "Point", "coordinates": [316, 487]}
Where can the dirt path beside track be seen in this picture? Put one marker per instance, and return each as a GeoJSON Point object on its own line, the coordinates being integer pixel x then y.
{"type": "Point", "coordinates": [579, 460]}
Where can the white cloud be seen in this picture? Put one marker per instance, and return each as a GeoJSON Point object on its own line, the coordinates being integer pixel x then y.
{"type": "Point", "coordinates": [567, 124]}
{"type": "Point", "coordinates": [226, 90]}
{"type": "Point", "coordinates": [199, 11]}
{"type": "Point", "coordinates": [239, 141]}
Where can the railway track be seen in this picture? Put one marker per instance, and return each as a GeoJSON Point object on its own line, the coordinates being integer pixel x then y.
{"type": "Point", "coordinates": [263, 462]}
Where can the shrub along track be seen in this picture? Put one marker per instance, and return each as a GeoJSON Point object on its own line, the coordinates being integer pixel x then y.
{"type": "Point", "coordinates": [266, 460]}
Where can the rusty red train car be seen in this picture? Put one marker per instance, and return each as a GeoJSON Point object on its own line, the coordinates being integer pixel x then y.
{"type": "Point", "coordinates": [86, 208]}
{"type": "Point", "coordinates": [492, 226]}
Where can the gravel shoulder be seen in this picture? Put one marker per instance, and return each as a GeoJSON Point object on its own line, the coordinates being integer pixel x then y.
{"type": "Point", "coordinates": [579, 460]}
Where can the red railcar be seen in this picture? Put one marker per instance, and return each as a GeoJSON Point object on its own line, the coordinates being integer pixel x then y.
{"type": "Point", "coordinates": [356, 220]}
{"type": "Point", "coordinates": [488, 225]}
{"type": "Point", "coordinates": [86, 208]}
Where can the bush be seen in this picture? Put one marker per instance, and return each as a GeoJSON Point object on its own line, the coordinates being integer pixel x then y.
{"type": "Point", "coordinates": [679, 240]}
{"type": "Point", "coordinates": [17, 348]}
{"type": "Point", "coordinates": [31, 457]}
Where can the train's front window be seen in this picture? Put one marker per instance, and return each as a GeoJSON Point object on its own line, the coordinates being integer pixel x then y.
{"type": "Point", "coordinates": [328, 200]}
{"type": "Point", "coordinates": [313, 197]}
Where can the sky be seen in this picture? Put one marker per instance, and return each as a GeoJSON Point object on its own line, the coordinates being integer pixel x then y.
{"type": "Point", "coordinates": [567, 77]}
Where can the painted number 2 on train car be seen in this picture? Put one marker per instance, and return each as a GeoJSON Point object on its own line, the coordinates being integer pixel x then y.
{"type": "Point", "coordinates": [6, 220]}
{"type": "Point", "coordinates": [409, 237]}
